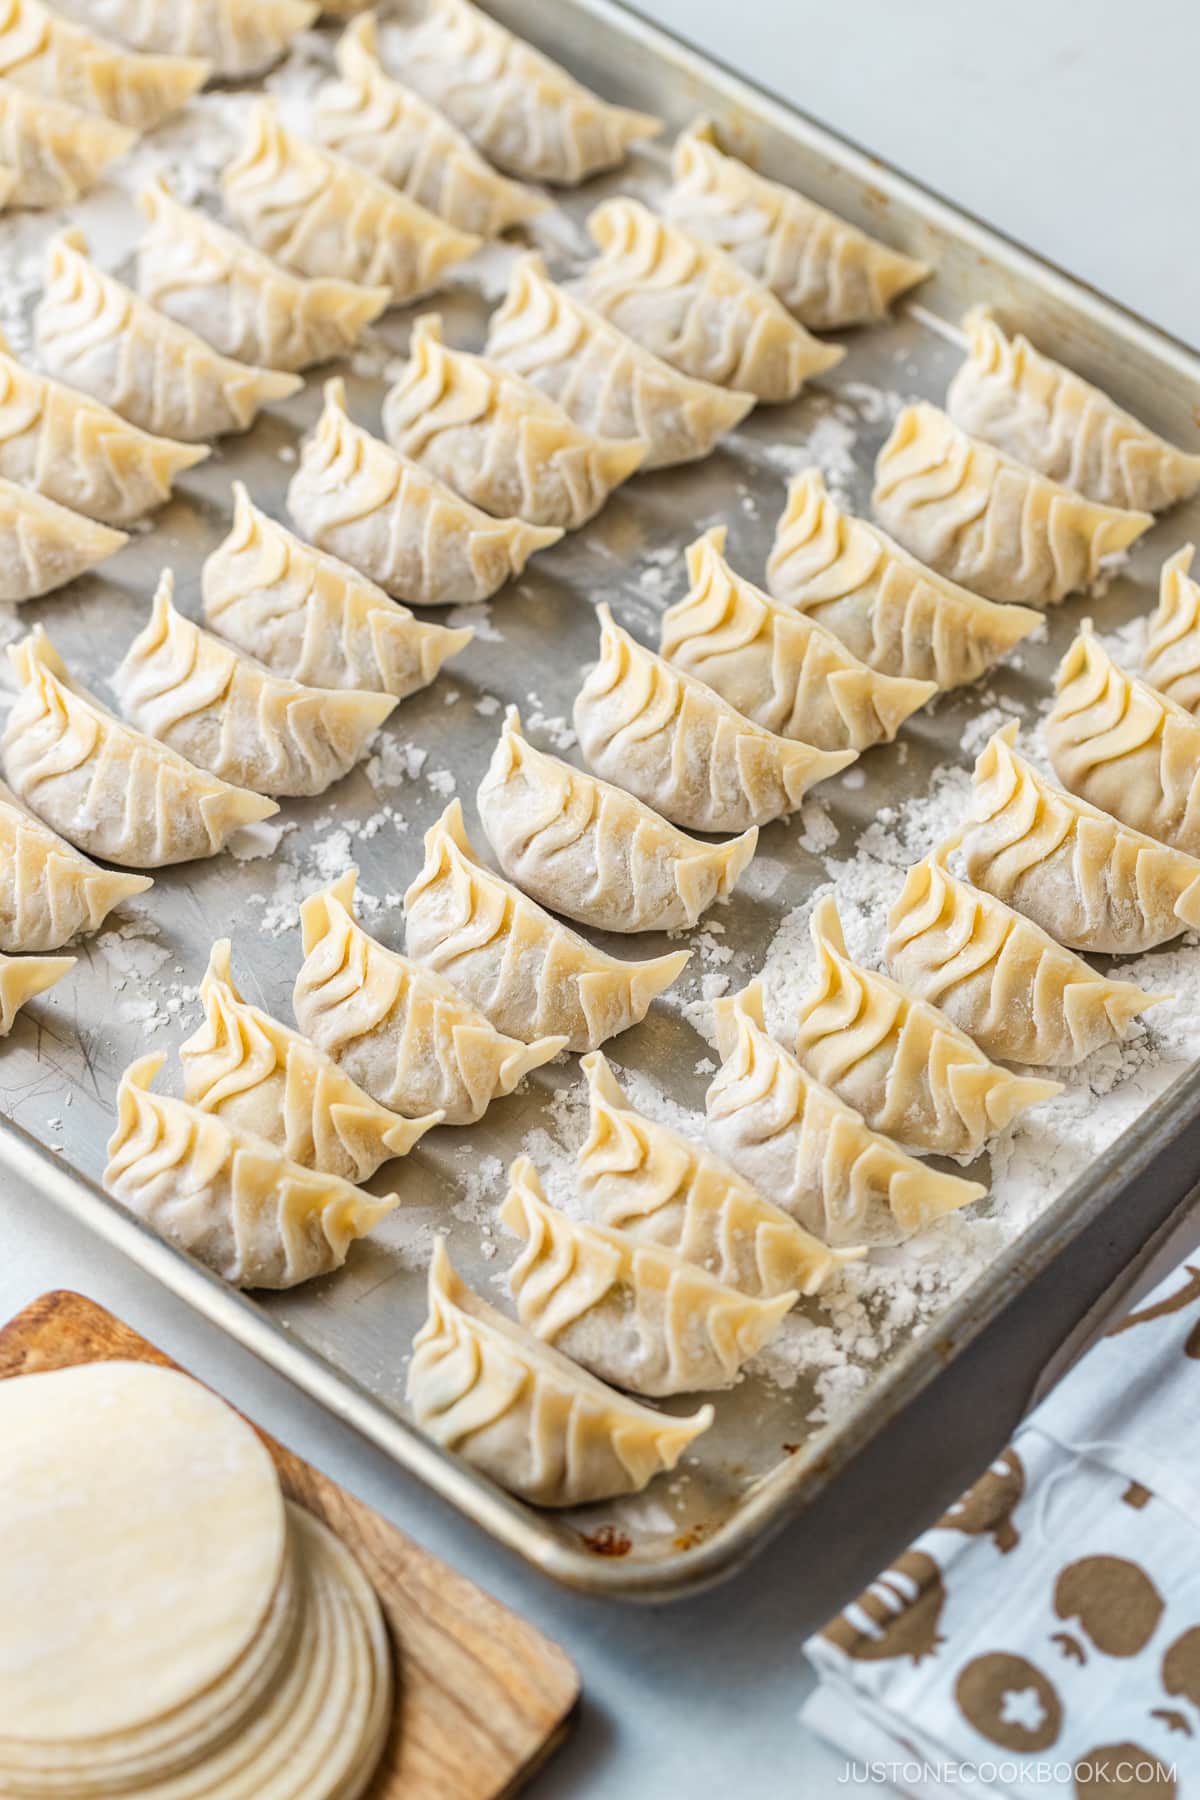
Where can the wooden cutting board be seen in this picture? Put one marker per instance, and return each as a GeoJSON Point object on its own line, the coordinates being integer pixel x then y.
{"type": "Point", "coordinates": [482, 1698]}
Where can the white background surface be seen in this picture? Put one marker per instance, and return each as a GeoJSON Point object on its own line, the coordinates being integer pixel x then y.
{"type": "Point", "coordinates": [1074, 129]}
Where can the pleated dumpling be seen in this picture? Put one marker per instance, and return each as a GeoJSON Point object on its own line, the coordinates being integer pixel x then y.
{"type": "Point", "coordinates": [610, 384]}
{"type": "Point", "coordinates": [695, 307]}
{"type": "Point", "coordinates": [646, 1181]}
{"type": "Point", "coordinates": [523, 111]}
{"type": "Point", "coordinates": [93, 331]}
{"type": "Point", "coordinates": [825, 270]}
{"type": "Point", "coordinates": [897, 1060]}
{"type": "Point", "coordinates": [395, 522]}
{"type": "Point", "coordinates": [777, 667]}
{"type": "Point", "coordinates": [400, 1031]}
{"type": "Point", "coordinates": [1041, 414]}
{"type": "Point", "coordinates": [1000, 977]}
{"type": "Point", "coordinates": [321, 215]}
{"type": "Point", "coordinates": [388, 129]}
{"type": "Point", "coordinates": [896, 615]}
{"type": "Point", "coordinates": [1088, 880]}
{"type": "Point", "coordinates": [811, 1152]}
{"type": "Point", "coordinates": [105, 787]}
{"type": "Point", "coordinates": [237, 299]}
{"type": "Point", "coordinates": [629, 1311]}
{"type": "Point", "coordinates": [48, 56]}
{"type": "Point", "coordinates": [263, 1077]}
{"type": "Point", "coordinates": [238, 37]}
{"type": "Point", "coordinates": [671, 741]}
{"type": "Point", "coordinates": [49, 893]}
{"type": "Point", "coordinates": [23, 978]}
{"type": "Point", "coordinates": [1124, 747]}
{"type": "Point", "coordinates": [51, 153]}
{"type": "Point", "coordinates": [44, 545]}
{"type": "Point", "coordinates": [230, 715]}
{"type": "Point", "coordinates": [527, 972]}
{"type": "Point", "coordinates": [227, 1196]}
{"type": "Point", "coordinates": [306, 615]}
{"type": "Point", "coordinates": [80, 453]}
{"type": "Point", "coordinates": [528, 1417]}
{"type": "Point", "coordinates": [496, 439]}
{"type": "Point", "coordinates": [978, 517]}
{"type": "Point", "coordinates": [1171, 659]}
{"type": "Point", "coordinates": [592, 851]}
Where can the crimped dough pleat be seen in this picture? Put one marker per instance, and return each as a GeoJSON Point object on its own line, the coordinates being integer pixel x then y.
{"type": "Point", "coordinates": [527, 972]}
{"type": "Point", "coordinates": [776, 666]}
{"type": "Point", "coordinates": [593, 851]}
{"type": "Point", "coordinates": [633, 1313]}
{"type": "Point", "coordinates": [395, 522]}
{"type": "Point", "coordinates": [44, 545]}
{"type": "Point", "coordinates": [103, 786]}
{"type": "Point", "coordinates": [227, 1196]}
{"type": "Point", "coordinates": [1171, 660]}
{"type": "Point", "coordinates": [49, 893]}
{"type": "Point", "coordinates": [45, 55]}
{"type": "Point", "coordinates": [805, 1147]}
{"type": "Point", "coordinates": [607, 382]}
{"type": "Point", "coordinates": [308, 616]}
{"type": "Point", "coordinates": [266, 1078]}
{"type": "Point", "coordinates": [52, 154]}
{"type": "Point", "coordinates": [896, 615]}
{"type": "Point", "coordinates": [401, 1032]}
{"type": "Point", "coordinates": [93, 331]}
{"type": "Point", "coordinates": [1091, 882]}
{"type": "Point", "coordinates": [22, 978]}
{"type": "Point", "coordinates": [320, 215]}
{"type": "Point", "coordinates": [695, 307]}
{"type": "Point", "coordinates": [671, 741]}
{"type": "Point", "coordinates": [824, 269]}
{"type": "Point", "coordinates": [643, 1179]}
{"type": "Point", "coordinates": [231, 716]}
{"type": "Point", "coordinates": [524, 1414]}
{"type": "Point", "coordinates": [978, 517]}
{"type": "Point", "coordinates": [523, 111]}
{"type": "Point", "coordinates": [374, 120]}
{"type": "Point", "coordinates": [1000, 977]}
{"type": "Point", "coordinates": [1038, 412]}
{"type": "Point", "coordinates": [238, 37]}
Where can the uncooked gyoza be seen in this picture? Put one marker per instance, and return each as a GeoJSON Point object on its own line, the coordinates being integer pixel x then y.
{"type": "Point", "coordinates": [1000, 977]}
{"type": "Point", "coordinates": [102, 785]}
{"type": "Point", "coordinates": [775, 665]}
{"type": "Point", "coordinates": [238, 37]}
{"type": "Point", "coordinates": [233, 717]}
{"type": "Point", "coordinates": [1171, 659]}
{"type": "Point", "coordinates": [263, 1077]}
{"type": "Point", "coordinates": [237, 299]}
{"type": "Point", "coordinates": [896, 615]}
{"type": "Point", "coordinates": [610, 384]}
{"type": "Point", "coordinates": [401, 1032]}
{"type": "Point", "coordinates": [824, 269]}
{"type": "Point", "coordinates": [387, 128]}
{"type": "Point", "coordinates": [44, 545]}
{"type": "Point", "coordinates": [385, 515]}
{"type": "Point", "coordinates": [321, 215]}
{"type": "Point", "coordinates": [49, 893]}
{"type": "Point", "coordinates": [978, 517]}
{"type": "Point", "coordinates": [626, 1309]}
{"type": "Point", "coordinates": [91, 330]}
{"type": "Point", "coordinates": [812, 1153]}
{"type": "Point", "coordinates": [695, 307]}
{"type": "Point", "coordinates": [593, 851]}
{"type": "Point", "coordinates": [1088, 880]}
{"type": "Point", "coordinates": [527, 1416]}
{"type": "Point", "coordinates": [52, 154]}
{"type": "Point", "coordinates": [23, 978]}
{"type": "Point", "coordinates": [674, 743]}
{"type": "Point", "coordinates": [523, 111]}
{"type": "Point", "coordinates": [306, 615]}
{"type": "Point", "coordinates": [225, 1194]}
{"type": "Point", "coordinates": [1044, 415]}
{"type": "Point", "coordinates": [45, 55]}
{"type": "Point", "coordinates": [525, 971]}
{"type": "Point", "coordinates": [496, 439]}
{"type": "Point", "coordinates": [80, 453]}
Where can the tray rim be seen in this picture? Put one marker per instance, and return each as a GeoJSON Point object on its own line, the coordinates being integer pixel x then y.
{"type": "Point", "coordinates": [781, 1495]}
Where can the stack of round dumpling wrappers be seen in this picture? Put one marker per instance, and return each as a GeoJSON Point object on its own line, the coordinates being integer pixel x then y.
{"type": "Point", "coordinates": [170, 1625]}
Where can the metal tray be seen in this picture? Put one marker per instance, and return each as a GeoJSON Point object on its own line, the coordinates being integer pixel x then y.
{"type": "Point", "coordinates": [345, 1340]}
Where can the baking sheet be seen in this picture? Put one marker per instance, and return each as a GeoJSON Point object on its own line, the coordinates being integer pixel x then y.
{"type": "Point", "coordinates": [346, 1339]}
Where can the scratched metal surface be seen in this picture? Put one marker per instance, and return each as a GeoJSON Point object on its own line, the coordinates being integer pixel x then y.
{"type": "Point", "coordinates": [346, 1338]}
